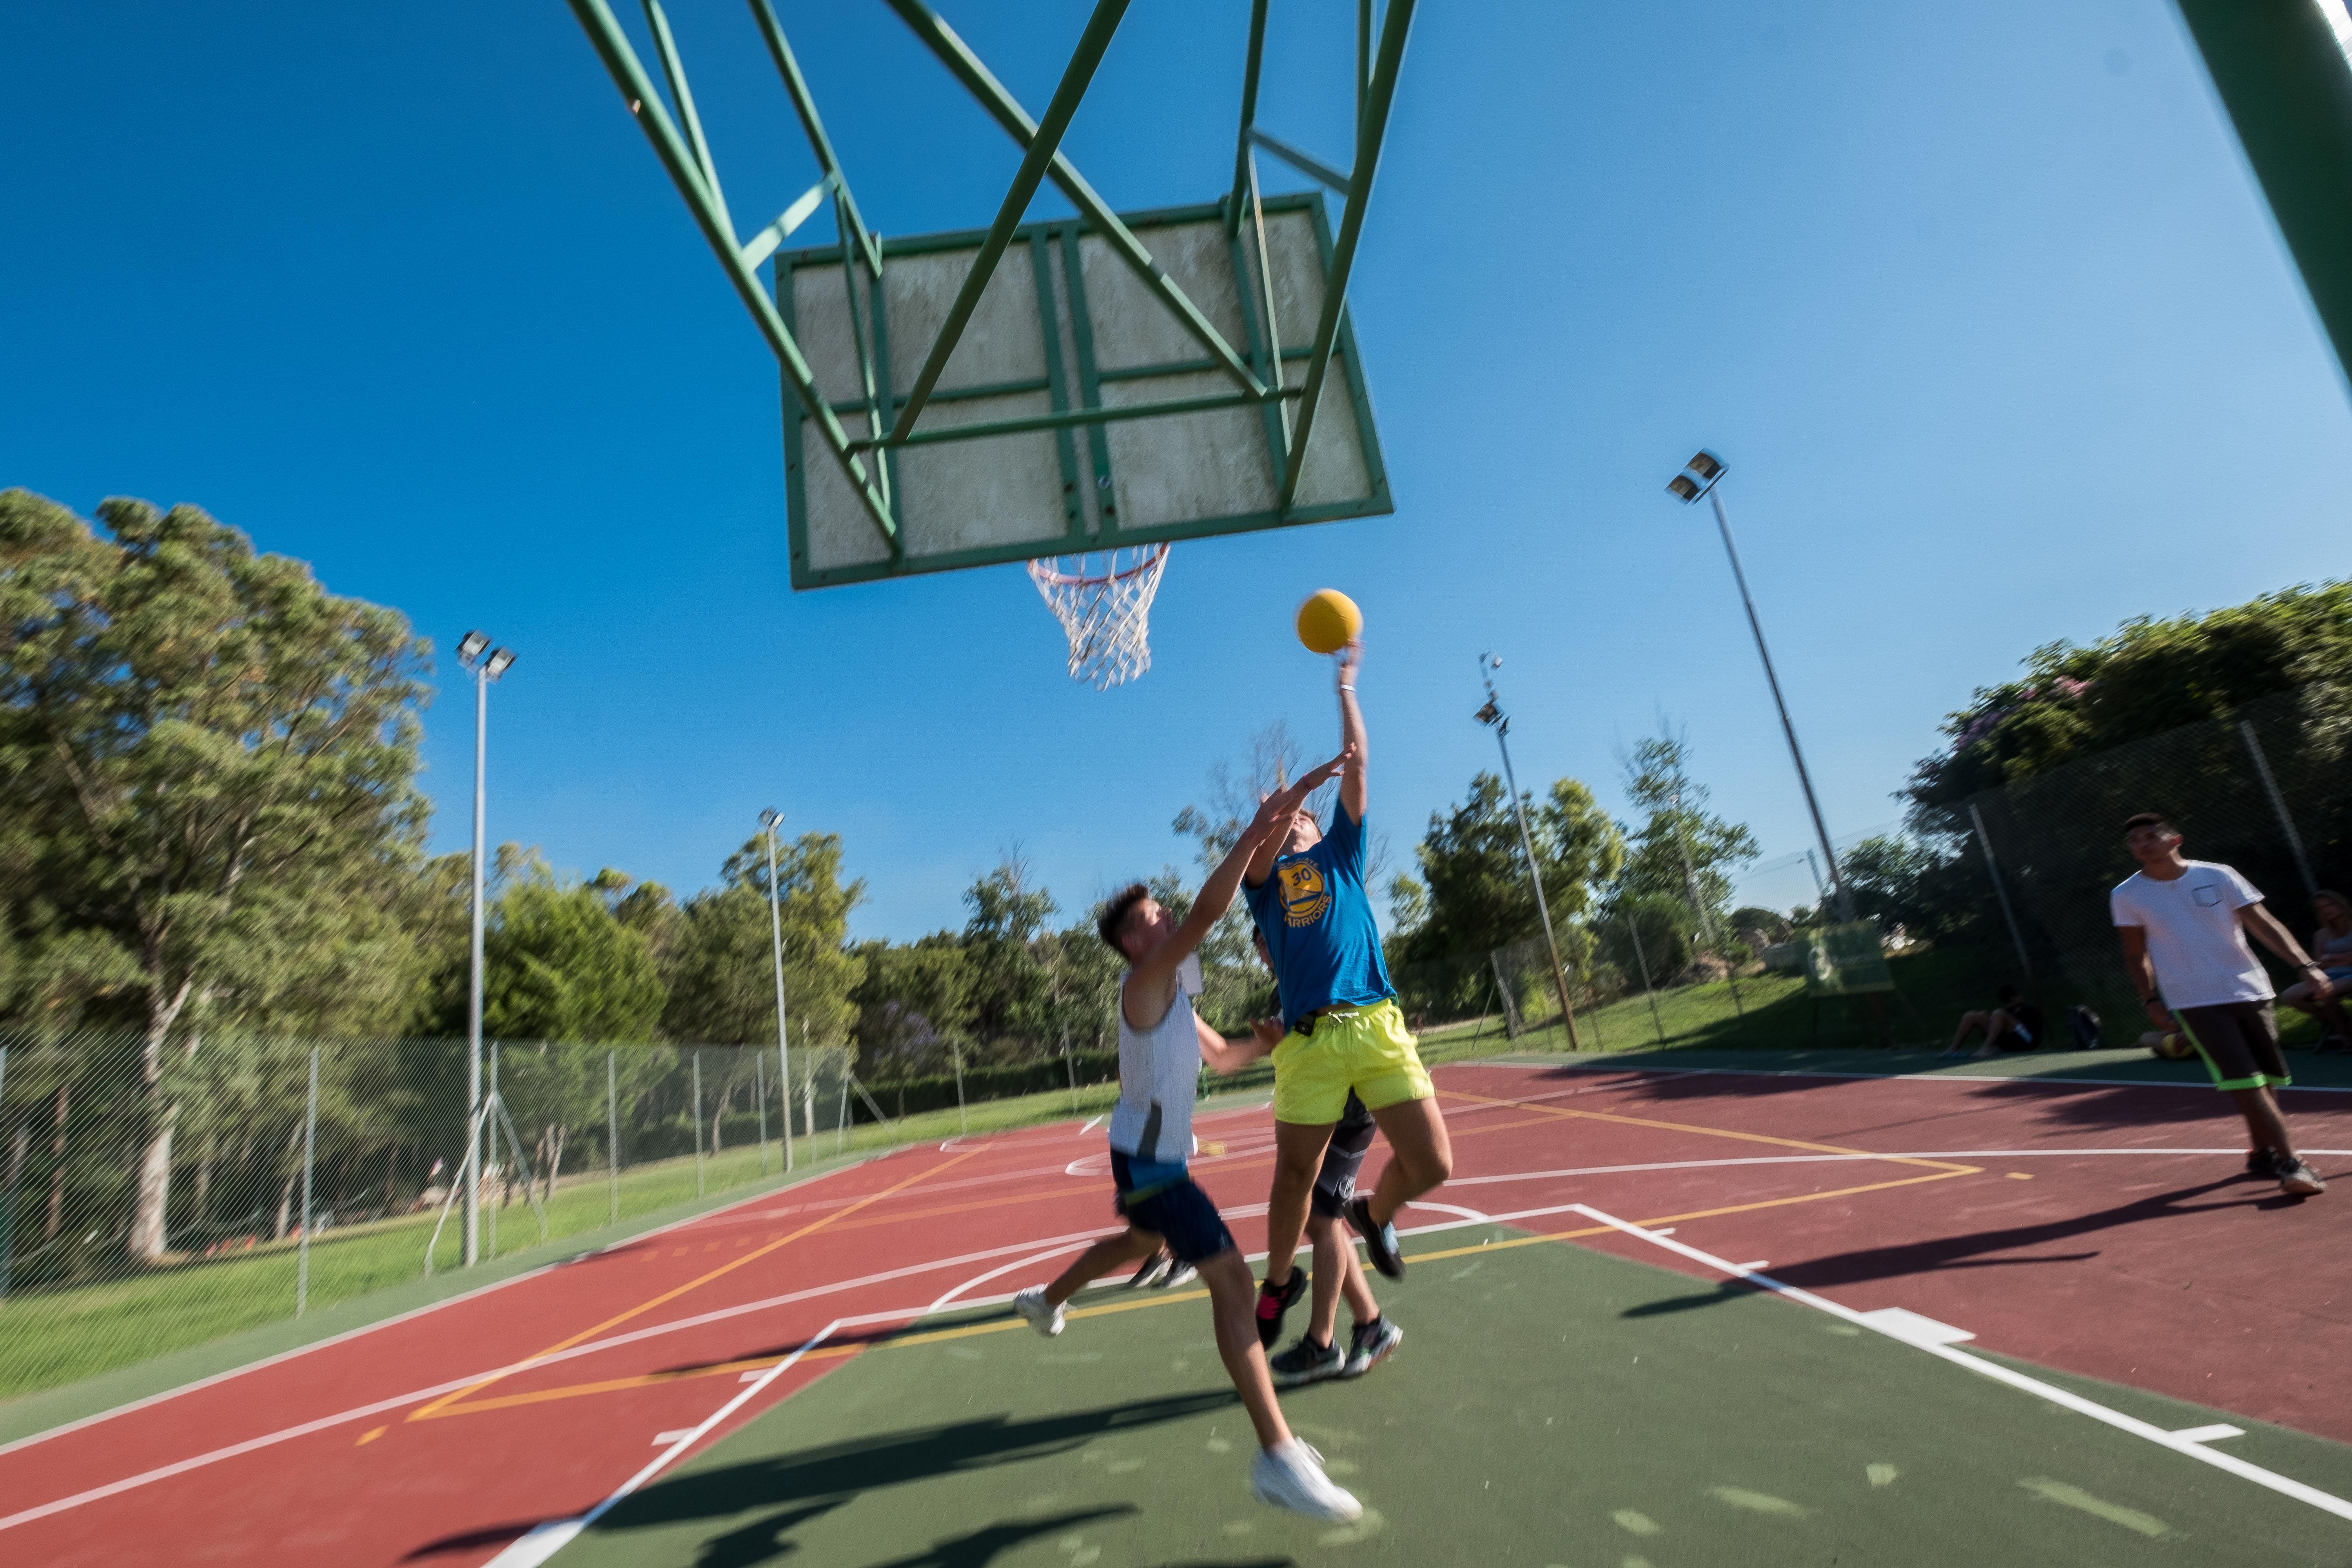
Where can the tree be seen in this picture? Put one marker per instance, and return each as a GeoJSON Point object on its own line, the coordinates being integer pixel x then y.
{"type": "Point", "coordinates": [1682, 850]}
{"type": "Point", "coordinates": [722, 966]}
{"type": "Point", "coordinates": [1011, 990]}
{"type": "Point", "coordinates": [1474, 885]}
{"type": "Point", "coordinates": [210, 766]}
{"type": "Point", "coordinates": [2150, 676]}
{"type": "Point", "coordinates": [914, 1004]}
{"type": "Point", "coordinates": [557, 965]}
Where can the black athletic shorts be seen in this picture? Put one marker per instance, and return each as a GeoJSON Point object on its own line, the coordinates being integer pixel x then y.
{"type": "Point", "coordinates": [2239, 1041]}
{"type": "Point", "coordinates": [1335, 1184]}
{"type": "Point", "coordinates": [1177, 1212]}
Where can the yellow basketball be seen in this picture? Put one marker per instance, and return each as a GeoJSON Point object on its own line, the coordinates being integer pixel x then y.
{"type": "Point", "coordinates": [1329, 620]}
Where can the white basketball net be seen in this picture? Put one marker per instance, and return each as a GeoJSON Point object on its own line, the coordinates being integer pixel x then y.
{"type": "Point", "coordinates": [1103, 600]}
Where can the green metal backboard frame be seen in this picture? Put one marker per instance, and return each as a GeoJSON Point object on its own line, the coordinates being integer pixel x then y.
{"type": "Point", "coordinates": [892, 423]}
{"type": "Point", "coordinates": [1073, 382]}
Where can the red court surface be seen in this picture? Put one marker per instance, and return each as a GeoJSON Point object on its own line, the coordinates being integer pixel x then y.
{"type": "Point", "coordinates": [2096, 1229]}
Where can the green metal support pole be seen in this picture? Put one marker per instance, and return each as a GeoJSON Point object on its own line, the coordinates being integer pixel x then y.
{"type": "Point", "coordinates": [637, 90]}
{"type": "Point", "coordinates": [804, 105]}
{"type": "Point", "coordinates": [1092, 44]}
{"type": "Point", "coordinates": [673, 72]}
{"type": "Point", "coordinates": [1109, 414]}
{"type": "Point", "coordinates": [943, 41]}
{"type": "Point", "coordinates": [1250, 67]}
{"type": "Point", "coordinates": [2283, 75]}
{"type": "Point", "coordinates": [1378, 97]}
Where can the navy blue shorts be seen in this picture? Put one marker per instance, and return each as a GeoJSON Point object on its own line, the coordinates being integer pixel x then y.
{"type": "Point", "coordinates": [1335, 1184]}
{"type": "Point", "coordinates": [1177, 1212]}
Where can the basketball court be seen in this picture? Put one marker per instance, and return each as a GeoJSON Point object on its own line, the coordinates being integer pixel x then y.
{"type": "Point", "coordinates": [1693, 1317]}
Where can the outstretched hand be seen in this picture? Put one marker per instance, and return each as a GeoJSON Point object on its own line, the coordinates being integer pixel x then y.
{"type": "Point", "coordinates": [1346, 659]}
{"type": "Point", "coordinates": [1277, 809]}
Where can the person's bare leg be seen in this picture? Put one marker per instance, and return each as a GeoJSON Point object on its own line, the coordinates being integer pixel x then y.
{"type": "Point", "coordinates": [1231, 1293]}
{"type": "Point", "coordinates": [1111, 1252]}
{"type": "Point", "coordinates": [1298, 1159]}
{"type": "Point", "coordinates": [2263, 1120]}
{"type": "Point", "coordinates": [1969, 1023]}
{"type": "Point", "coordinates": [1421, 1156]}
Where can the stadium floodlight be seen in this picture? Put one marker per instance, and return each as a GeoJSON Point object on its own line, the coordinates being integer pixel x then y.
{"type": "Point", "coordinates": [1492, 716]}
{"type": "Point", "coordinates": [1701, 477]}
{"type": "Point", "coordinates": [771, 820]}
{"type": "Point", "coordinates": [485, 670]}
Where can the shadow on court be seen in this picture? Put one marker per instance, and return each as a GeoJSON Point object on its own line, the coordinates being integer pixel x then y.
{"type": "Point", "coordinates": [790, 1490]}
{"type": "Point", "coordinates": [1976, 1250]}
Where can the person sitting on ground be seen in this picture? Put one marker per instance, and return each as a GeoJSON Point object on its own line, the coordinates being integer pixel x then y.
{"type": "Point", "coordinates": [2331, 946]}
{"type": "Point", "coordinates": [2015, 1025]}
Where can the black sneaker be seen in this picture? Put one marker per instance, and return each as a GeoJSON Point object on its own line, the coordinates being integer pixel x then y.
{"type": "Point", "coordinates": [1307, 1361]}
{"type": "Point", "coordinates": [1370, 1345]}
{"type": "Point", "coordinates": [2264, 1162]}
{"type": "Point", "coordinates": [1154, 1272]}
{"type": "Point", "coordinates": [2298, 1179]}
{"type": "Point", "coordinates": [1380, 1240]}
{"type": "Point", "coordinates": [1273, 1302]}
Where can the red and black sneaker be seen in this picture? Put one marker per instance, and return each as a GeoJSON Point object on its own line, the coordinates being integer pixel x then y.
{"type": "Point", "coordinates": [1273, 1302]}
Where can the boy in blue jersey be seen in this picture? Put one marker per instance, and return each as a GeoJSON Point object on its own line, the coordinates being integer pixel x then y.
{"type": "Point", "coordinates": [1345, 1032]}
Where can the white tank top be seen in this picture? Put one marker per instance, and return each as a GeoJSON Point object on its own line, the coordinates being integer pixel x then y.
{"type": "Point", "coordinates": [1158, 1075]}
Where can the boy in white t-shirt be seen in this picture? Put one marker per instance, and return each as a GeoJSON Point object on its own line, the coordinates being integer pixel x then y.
{"type": "Point", "coordinates": [1161, 1044]}
{"type": "Point", "coordinates": [2184, 925]}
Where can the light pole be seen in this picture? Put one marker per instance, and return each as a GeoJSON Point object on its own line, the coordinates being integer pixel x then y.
{"type": "Point", "coordinates": [1701, 477]}
{"type": "Point", "coordinates": [1492, 714]}
{"type": "Point", "coordinates": [772, 819]}
{"type": "Point", "coordinates": [474, 651]}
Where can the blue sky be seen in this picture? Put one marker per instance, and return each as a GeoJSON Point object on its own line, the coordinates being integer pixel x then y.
{"type": "Point", "coordinates": [1980, 303]}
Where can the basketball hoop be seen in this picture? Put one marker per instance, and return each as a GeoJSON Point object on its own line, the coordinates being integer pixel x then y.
{"type": "Point", "coordinates": [1103, 599]}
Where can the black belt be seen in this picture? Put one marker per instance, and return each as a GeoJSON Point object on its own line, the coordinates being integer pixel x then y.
{"type": "Point", "coordinates": [1306, 1025]}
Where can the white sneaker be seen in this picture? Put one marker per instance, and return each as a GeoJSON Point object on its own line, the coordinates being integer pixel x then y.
{"type": "Point", "coordinates": [1290, 1475]}
{"type": "Point", "coordinates": [1180, 1275]}
{"type": "Point", "coordinates": [1043, 1315]}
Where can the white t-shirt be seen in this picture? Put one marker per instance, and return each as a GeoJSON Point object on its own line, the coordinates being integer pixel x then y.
{"type": "Point", "coordinates": [2193, 935]}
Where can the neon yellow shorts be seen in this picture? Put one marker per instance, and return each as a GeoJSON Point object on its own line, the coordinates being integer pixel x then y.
{"type": "Point", "coordinates": [1368, 1050]}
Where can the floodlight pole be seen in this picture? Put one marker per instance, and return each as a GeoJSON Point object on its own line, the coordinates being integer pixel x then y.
{"type": "Point", "coordinates": [474, 653]}
{"type": "Point", "coordinates": [1712, 490]}
{"type": "Point", "coordinates": [770, 819]}
{"type": "Point", "coordinates": [1487, 663]}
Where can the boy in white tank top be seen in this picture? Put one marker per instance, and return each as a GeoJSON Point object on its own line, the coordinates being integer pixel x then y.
{"type": "Point", "coordinates": [1162, 1043]}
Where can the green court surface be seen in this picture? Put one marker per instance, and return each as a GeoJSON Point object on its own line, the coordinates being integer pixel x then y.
{"type": "Point", "coordinates": [1550, 1405]}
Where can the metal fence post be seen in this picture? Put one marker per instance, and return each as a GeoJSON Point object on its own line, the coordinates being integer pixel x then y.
{"type": "Point", "coordinates": [613, 1132]}
{"type": "Point", "coordinates": [963, 1123]}
{"type": "Point", "coordinates": [1069, 1065]}
{"type": "Point", "coordinates": [309, 1161]}
{"type": "Point", "coordinates": [759, 1098]}
{"type": "Point", "coordinates": [2278, 804]}
{"type": "Point", "coordinates": [8, 1188]}
{"type": "Point", "coordinates": [2000, 889]}
{"type": "Point", "coordinates": [698, 1121]}
{"type": "Point", "coordinates": [490, 1135]}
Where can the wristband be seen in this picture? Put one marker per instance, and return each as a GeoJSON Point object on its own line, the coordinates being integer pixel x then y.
{"type": "Point", "coordinates": [1347, 688]}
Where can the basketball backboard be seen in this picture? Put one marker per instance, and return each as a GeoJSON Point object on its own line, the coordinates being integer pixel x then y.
{"type": "Point", "coordinates": [1039, 438]}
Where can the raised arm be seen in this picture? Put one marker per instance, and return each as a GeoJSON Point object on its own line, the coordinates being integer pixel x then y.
{"type": "Point", "coordinates": [2265, 928]}
{"type": "Point", "coordinates": [1216, 895]}
{"type": "Point", "coordinates": [1351, 731]}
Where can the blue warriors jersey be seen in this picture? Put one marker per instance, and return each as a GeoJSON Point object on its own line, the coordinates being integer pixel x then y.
{"type": "Point", "coordinates": [1317, 923]}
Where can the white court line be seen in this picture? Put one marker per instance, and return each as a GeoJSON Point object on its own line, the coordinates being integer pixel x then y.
{"type": "Point", "coordinates": [1632, 1070]}
{"type": "Point", "coordinates": [1002, 1269]}
{"type": "Point", "coordinates": [2180, 1443]}
{"type": "Point", "coordinates": [1091, 1124]}
{"type": "Point", "coordinates": [546, 1540]}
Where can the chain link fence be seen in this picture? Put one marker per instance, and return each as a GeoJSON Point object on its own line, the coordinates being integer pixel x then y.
{"type": "Point", "coordinates": [153, 1200]}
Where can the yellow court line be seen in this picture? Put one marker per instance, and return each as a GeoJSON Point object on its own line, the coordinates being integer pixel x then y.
{"type": "Point", "coordinates": [1564, 1113]}
{"type": "Point", "coordinates": [438, 1406]}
